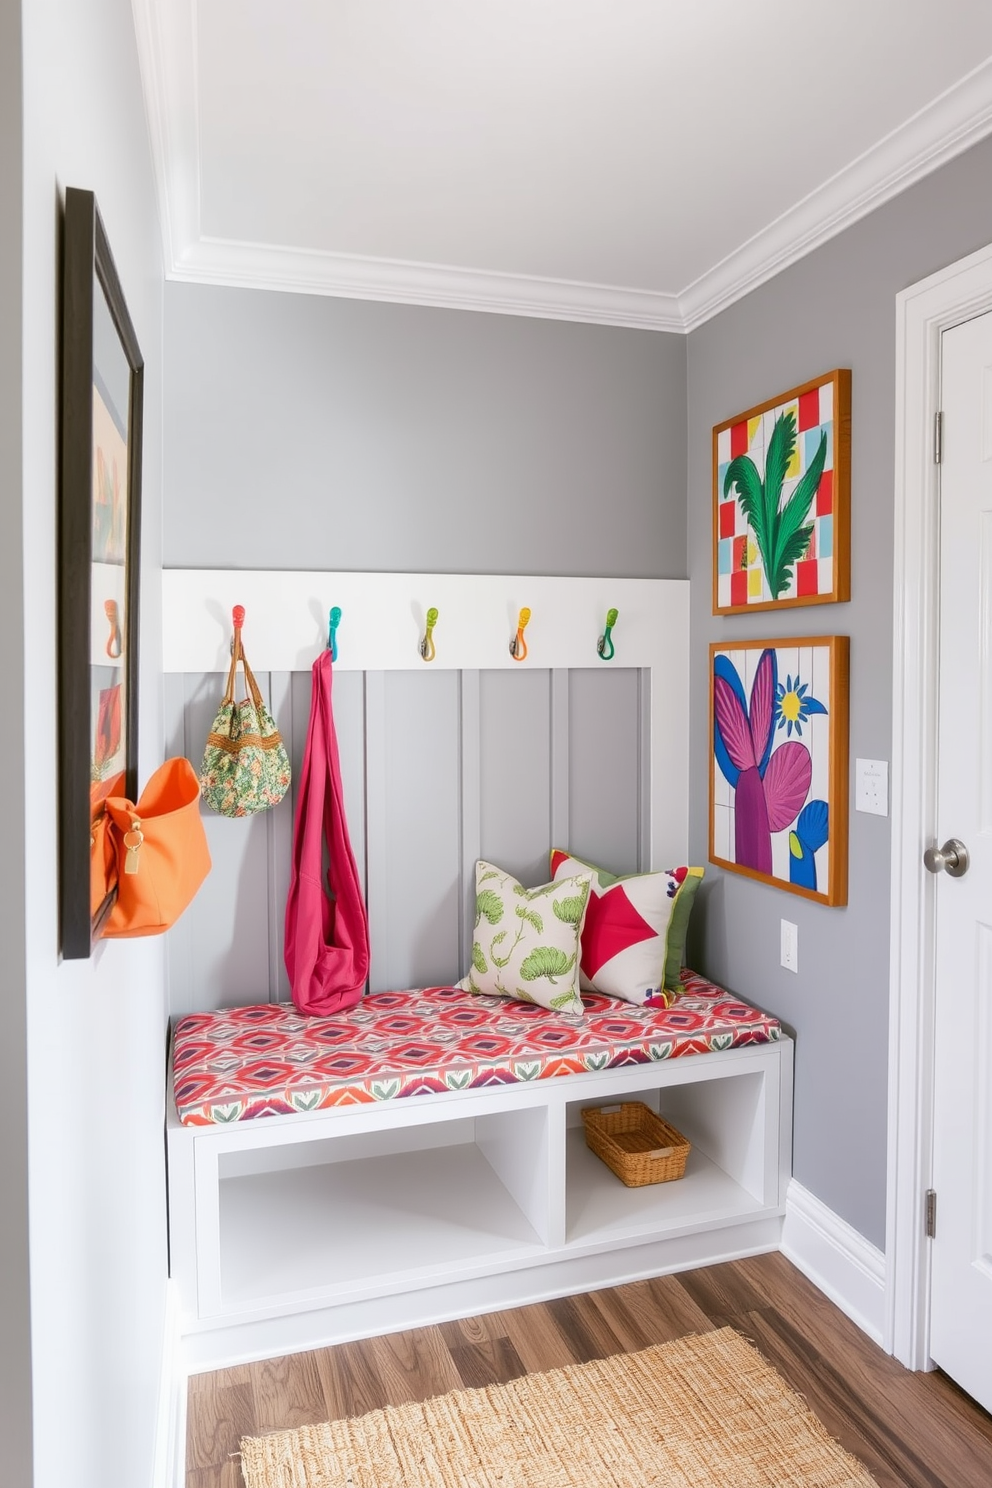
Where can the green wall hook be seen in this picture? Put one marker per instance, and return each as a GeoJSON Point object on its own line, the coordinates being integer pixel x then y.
{"type": "Point", "coordinates": [604, 645]}
{"type": "Point", "coordinates": [427, 649]}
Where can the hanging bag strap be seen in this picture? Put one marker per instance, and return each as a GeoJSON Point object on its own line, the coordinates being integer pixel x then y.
{"type": "Point", "coordinates": [327, 933]}
{"type": "Point", "coordinates": [227, 704]}
{"type": "Point", "coordinates": [238, 654]}
{"type": "Point", "coordinates": [236, 651]}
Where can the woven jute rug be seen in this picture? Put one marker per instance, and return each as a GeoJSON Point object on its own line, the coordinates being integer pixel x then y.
{"type": "Point", "coordinates": [702, 1412]}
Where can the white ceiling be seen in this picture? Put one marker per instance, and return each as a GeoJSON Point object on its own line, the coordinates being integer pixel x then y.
{"type": "Point", "coordinates": [633, 162]}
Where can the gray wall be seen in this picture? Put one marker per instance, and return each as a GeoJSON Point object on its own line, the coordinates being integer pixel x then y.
{"type": "Point", "coordinates": [15, 1330]}
{"type": "Point", "coordinates": [834, 308]}
{"type": "Point", "coordinates": [308, 432]}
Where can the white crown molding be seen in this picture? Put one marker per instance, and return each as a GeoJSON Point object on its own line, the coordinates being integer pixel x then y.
{"type": "Point", "coordinates": [167, 51]}
{"type": "Point", "coordinates": [946, 127]}
{"type": "Point", "coordinates": [167, 59]}
{"type": "Point", "coordinates": [259, 266]}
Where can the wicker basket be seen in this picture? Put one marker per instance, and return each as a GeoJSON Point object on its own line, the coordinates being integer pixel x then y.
{"type": "Point", "coordinates": [638, 1145]}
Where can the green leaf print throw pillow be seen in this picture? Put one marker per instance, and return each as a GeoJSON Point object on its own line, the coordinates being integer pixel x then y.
{"type": "Point", "coordinates": [526, 941]}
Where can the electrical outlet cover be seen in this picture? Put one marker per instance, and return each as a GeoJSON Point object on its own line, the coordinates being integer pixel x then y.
{"type": "Point", "coordinates": [871, 786]}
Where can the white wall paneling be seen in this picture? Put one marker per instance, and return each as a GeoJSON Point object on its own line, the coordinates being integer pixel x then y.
{"type": "Point", "coordinates": [473, 755]}
{"type": "Point", "coordinates": [383, 619]}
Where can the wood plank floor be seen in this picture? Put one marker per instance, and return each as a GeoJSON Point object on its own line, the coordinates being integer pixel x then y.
{"type": "Point", "coordinates": [910, 1430]}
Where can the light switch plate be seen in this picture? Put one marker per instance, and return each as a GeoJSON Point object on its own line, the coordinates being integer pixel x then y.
{"type": "Point", "coordinates": [790, 945]}
{"type": "Point", "coordinates": [871, 786]}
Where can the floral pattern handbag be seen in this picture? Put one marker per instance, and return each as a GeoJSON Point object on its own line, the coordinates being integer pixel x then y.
{"type": "Point", "coordinates": [245, 764]}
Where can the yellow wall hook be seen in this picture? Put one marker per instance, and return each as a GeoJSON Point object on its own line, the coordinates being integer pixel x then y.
{"type": "Point", "coordinates": [518, 646]}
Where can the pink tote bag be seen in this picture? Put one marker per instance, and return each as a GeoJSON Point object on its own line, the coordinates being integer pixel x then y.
{"type": "Point", "coordinates": [327, 928]}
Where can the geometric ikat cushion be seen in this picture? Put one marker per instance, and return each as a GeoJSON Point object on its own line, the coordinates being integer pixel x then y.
{"type": "Point", "coordinates": [239, 1064]}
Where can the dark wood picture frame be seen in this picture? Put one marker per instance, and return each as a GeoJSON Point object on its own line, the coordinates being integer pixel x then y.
{"type": "Point", "coordinates": [811, 557]}
{"type": "Point", "coordinates": [99, 569]}
{"type": "Point", "coordinates": [772, 822]}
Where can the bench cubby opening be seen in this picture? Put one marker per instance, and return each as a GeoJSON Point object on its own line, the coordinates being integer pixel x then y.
{"type": "Point", "coordinates": [363, 1214]}
{"type": "Point", "coordinates": [730, 1172]}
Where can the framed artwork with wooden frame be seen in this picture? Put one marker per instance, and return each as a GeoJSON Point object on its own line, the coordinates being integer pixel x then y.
{"type": "Point", "coordinates": [779, 762]}
{"type": "Point", "coordinates": [99, 565]}
{"type": "Point", "coordinates": [782, 500]}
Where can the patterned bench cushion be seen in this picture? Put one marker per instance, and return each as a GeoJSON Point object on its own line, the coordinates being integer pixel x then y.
{"type": "Point", "coordinates": [270, 1060]}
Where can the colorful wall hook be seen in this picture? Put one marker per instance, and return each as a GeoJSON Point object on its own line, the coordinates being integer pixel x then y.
{"type": "Point", "coordinates": [238, 619]}
{"type": "Point", "coordinates": [605, 645]}
{"type": "Point", "coordinates": [427, 649]}
{"type": "Point", "coordinates": [333, 621]}
{"type": "Point", "coordinates": [518, 646]}
{"type": "Point", "coordinates": [115, 642]}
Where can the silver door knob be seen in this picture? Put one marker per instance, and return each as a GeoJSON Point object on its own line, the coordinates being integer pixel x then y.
{"type": "Point", "coordinates": [952, 858]}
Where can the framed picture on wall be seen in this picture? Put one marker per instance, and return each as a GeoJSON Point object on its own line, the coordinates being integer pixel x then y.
{"type": "Point", "coordinates": [99, 521]}
{"type": "Point", "coordinates": [779, 763]}
{"type": "Point", "coordinates": [781, 500]}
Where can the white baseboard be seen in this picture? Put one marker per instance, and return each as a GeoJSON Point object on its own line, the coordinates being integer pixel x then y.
{"type": "Point", "coordinates": [170, 1438]}
{"type": "Point", "coordinates": [845, 1266]}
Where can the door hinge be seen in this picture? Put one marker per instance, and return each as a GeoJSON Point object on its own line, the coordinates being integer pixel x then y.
{"type": "Point", "coordinates": [938, 437]}
{"type": "Point", "coordinates": [931, 1213]}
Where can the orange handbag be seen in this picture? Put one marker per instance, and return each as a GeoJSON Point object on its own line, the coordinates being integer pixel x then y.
{"type": "Point", "coordinates": [161, 850]}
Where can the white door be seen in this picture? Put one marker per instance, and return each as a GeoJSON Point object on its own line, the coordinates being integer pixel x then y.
{"type": "Point", "coordinates": [961, 1277]}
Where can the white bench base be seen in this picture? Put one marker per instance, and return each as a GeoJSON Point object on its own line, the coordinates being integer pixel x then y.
{"type": "Point", "coordinates": [296, 1232]}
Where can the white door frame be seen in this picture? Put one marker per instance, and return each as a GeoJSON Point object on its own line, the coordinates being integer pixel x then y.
{"type": "Point", "coordinates": [923, 313]}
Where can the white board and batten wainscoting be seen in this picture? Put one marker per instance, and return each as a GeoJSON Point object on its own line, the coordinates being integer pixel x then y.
{"type": "Point", "coordinates": [290, 1232]}
{"type": "Point", "coordinates": [472, 755]}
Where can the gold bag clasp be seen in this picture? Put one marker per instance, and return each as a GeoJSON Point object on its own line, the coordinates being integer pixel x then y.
{"type": "Point", "coordinates": [132, 841]}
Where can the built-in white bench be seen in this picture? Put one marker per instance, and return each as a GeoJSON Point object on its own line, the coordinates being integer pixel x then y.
{"type": "Point", "coordinates": [384, 1210]}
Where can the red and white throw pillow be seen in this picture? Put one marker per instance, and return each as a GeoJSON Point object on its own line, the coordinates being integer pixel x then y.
{"type": "Point", "coordinates": [633, 935]}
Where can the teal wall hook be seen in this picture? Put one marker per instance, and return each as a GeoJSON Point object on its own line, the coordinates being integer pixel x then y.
{"type": "Point", "coordinates": [334, 620]}
{"type": "Point", "coordinates": [604, 645]}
